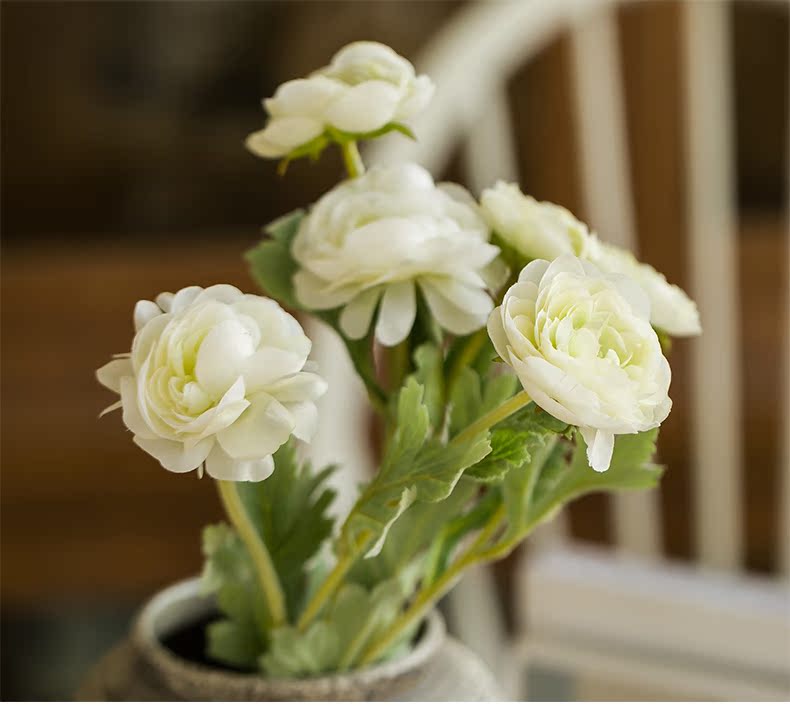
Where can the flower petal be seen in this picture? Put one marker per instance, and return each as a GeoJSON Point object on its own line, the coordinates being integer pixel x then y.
{"type": "Point", "coordinates": [222, 355]}
{"type": "Point", "coordinates": [263, 428]}
{"type": "Point", "coordinates": [110, 374]}
{"type": "Point", "coordinates": [144, 311]}
{"type": "Point", "coordinates": [174, 455]}
{"type": "Point", "coordinates": [268, 365]}
{"type": "Point", "coordinates": [450, 316]}
{"type": "Point", "coordinates": [183, 298]}
{"type": "Point", "coordinates": [303, 97]}
{"type": "Point", "coordinates": [397, 313]}
{"type": "Point", "coordinates": [132, 418]}
{"type": "Point", "coordinates": [298, 388]}
{"type": "Point", "coordinates": [222, 467]}
{"type": "Point", "coordinates": [305, 414]}
{"type": "Point", "coordinates": [600, 446]}
{"type": "Point", "coordinates": [284, 134]}
{"type": "Point", "coordinates": [357, 314]}
{"type": "Point", "coordinates": [363, 108]}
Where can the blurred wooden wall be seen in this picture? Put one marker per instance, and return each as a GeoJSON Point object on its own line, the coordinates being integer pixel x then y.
{"type": "Point", "coordinates": [107, 200]}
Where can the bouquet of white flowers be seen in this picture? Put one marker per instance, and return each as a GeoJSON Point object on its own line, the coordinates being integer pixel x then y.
{"type": "Point", "coordinates": [520, 365]}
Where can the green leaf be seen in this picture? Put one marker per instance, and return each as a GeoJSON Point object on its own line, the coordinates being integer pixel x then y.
{"type": "Point", "coordinates": [466, 400]}
{"type": "Point", "coordinates": [312, 149]}
{"type": "Point", "coordinates": [519, 483]}
{"type": "Point", "coordinates": [284, 228]}
{"type": "Point", "coordinates": [472, 396]}
{"type": "Point", "coordinates": [411, 536]}
{"type": "Point", "coordinates": [457, 527]}
{"type": "Point", "coordinates": [273, 268]}
{"type": "Point", "coordinates": [413, 469]}
{"type": "Point", "coordinates": [334, 643]}
{"type": "Point", "coordinates": [631, 469]}
{"type": "Point", "coordinates": [290, 511]}
{"type": "Point", "coordinates": [239, 639]}
{"type": "Point", "coordinates": [233, 643]}
{"type": "Point", "coordinates": [271, 263]}
{"type": "Point", "coordinates": [428, 364]}
{"type": "Point", "coordinates": [508, 450]}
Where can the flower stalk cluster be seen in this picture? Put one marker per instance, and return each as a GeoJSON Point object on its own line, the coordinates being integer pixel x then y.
{"type": "Point", "coordinates": [513, 357]}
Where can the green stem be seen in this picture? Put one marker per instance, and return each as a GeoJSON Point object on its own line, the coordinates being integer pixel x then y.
{"type": "Point", "coordinates": [511, 406]}
{"type": "Point", "coordinates": [476, 553]}
{"type": "Point", "coordinates": [352, 159]}
{"type": "Point", "coordinates": [416, 611]}
{"type": "Point", "coordinates": [267, 576]}
{"type": "Point", "coordinates": [325, 592]}
{"type": "Point", "coordinates": [466, 356]}
{"type": "Point", "coordinates": [399, 365]}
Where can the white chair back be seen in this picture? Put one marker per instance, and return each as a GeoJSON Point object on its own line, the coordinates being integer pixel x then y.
{"type": "Point", "coordinates": [471, 60]}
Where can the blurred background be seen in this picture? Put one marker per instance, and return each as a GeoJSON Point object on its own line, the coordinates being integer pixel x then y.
{"type": "Point", "coordinates": [124, 174]}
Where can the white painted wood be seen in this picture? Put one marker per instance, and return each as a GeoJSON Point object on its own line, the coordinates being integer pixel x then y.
{"type": "Point", "coordinates": [601, 127]}
{"type": "Point", "coordinates": [477, 619]}
{"type": "Point", "coordinates": [340, 438]}
{"type": "Point", "coordinates": [672, 680]}
{"type": "Point", "coordinates": [714, 284]}
{"type": "Point", "coordinates": [483, 44]}
{"type": "Point", "coordinates": [490, 152]}
{"type": "Point", "coordinates": [661, 623]}
{"type": "Point", "coordinates": [606, 177]}
{"type": "Point", "coordinates": [584, 596]}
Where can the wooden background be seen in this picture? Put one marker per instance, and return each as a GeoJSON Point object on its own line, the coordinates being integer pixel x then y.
{"type": "Point", "coordinates": [123, 175]}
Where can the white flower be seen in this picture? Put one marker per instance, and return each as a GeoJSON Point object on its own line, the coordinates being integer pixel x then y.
{"type": "Point", "coordinates": [671, 309]}
{"type": "Point", "coordinates": [582, 345]}
{"type": "Point", "coordinates": [376, 237]}
{"type": "Point", "coordinates": [535, 229]}
{"type": "Point", "coordinates": [215, 377]}
{"type": "Point", "coordinates": [542, 230]}
{"type": "Point", "coordinates": [365, 87]}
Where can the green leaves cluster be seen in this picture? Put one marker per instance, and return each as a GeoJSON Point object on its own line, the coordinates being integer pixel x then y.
{"type": "Point", "coordinates": [416, 467]}
{"type": "Point", "coordinates": [356, 617]}
{"type": "Point", "coordinates": [289, 511]}
{"type": "Point", "coordinates": [402, 541]}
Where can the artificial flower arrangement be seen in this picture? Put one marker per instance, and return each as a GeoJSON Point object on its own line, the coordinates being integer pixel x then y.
{"type": "Point", "coordinates": [514, 359]}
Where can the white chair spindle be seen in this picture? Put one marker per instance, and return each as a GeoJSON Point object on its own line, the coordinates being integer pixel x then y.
{"type": "Point", "coordinates": [601, 126]}
{"type": "Point", "coordinates": [712, 259]}
{"type": "Point", "coordinates": [504, 33]}
{"type": "Point", "coordinates": [490, 152]}
{"type": "Point", "coordinates": [340, 438]}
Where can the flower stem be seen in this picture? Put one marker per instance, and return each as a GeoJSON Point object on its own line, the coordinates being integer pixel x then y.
{"type": "Point", "coordinates": [480, 551]}
{"type": "Point", "coordinates": [325, 592]}
{"type": "Point", "coordinates": [511, 406]}
{"type": "Point", "coordinates": [466, 356]}
{"type": "Point", "coordinates": [352, 159]}
{"type": "Point", "coordinates": [423, 601]}
{"type": "Point", "coordinates": [267, 575]}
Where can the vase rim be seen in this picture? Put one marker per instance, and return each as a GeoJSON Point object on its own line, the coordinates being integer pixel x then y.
{"type": "Point", "coordinates": [181, 602]}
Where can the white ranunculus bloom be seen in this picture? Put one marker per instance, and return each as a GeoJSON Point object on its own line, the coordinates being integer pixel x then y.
{"type": "Point", "coordinates": [671, 309]}
{"type": "Point", "coordinates": [542, 230]}
{"type": "Point", "coordinates": [365, 87]}
{"type": "Point", "coordinates": [378, 237]}
{"type": "Point", "coordinates": [215, 377]}
{"type": "Point", "coordinates": [535, 229]}
{"type": "Point", "coordinates": [581, 343]}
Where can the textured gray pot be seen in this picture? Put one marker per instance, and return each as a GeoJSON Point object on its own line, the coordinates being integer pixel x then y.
{"type": "Point", "coordinates": [141, 668]}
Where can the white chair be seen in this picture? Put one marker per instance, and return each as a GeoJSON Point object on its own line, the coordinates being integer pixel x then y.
{"type": "Point", "coordinates": [630, 615]}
